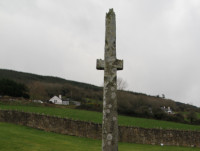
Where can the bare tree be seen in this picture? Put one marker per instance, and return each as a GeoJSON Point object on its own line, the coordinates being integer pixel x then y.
{"type": "Point", "coordinates": [121, 84]}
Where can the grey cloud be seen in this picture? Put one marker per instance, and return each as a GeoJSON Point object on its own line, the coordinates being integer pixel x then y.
{"type": "Point", "coordinates": [158, 40]}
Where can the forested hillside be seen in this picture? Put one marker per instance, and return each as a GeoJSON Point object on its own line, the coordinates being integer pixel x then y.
{"type": "Point", "coordinates": [44, 87]}
{"type": "Point", "coordinates": [129, 103]}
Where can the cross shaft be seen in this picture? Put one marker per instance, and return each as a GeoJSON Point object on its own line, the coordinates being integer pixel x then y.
{"type": "Point", "coordinates": [110, 65]}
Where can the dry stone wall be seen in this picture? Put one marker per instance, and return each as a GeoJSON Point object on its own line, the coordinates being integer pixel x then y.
{"type": "Point", "coordinates": [93, 130]}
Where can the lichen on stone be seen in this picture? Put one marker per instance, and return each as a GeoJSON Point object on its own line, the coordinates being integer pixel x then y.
{"type": "Point", "coordinates": [109, 137]}
{"type": "Point", "coordinates": [109, 143]}
{"type": "Point", "coordinates": [113, 95]}
{"type": "Point", "coordinates": [114, 118]}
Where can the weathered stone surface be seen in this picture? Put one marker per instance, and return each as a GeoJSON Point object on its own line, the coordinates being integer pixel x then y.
{"type": "Point", "coordinates": [100, 64]}
{"type": "Point", "coordinates": [92, 130]}
{"type": "Point", "coordinates": [110, 65]}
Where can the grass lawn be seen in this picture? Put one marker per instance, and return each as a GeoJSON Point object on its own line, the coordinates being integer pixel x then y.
{"type": "Point", "coordinates": [97, 117]}
{"type": "Point", "coordinates": [21, 138]}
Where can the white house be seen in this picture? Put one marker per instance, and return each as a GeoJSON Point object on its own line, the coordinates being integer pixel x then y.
{"type": "Point", "coordinates": [56, 100]}
{"type": "Point", "coordinates": [167, 110]}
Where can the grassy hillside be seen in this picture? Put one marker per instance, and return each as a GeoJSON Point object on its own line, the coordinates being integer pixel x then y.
{"type": "Point", "coordinates": [97, 117]}
{"type": "Point", "coordinates": [20, 138]}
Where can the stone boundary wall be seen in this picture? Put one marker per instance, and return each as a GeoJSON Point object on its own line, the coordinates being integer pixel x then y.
{"type": "Point", "coordinates": [93, 130]}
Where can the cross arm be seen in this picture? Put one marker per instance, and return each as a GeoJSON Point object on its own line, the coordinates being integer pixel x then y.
{"type": "Point", "coordinates": [100, 64]}
{"type": "Point", "coordinates": [117, 64]}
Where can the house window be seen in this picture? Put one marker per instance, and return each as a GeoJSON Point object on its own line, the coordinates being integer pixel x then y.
{"type": "Point", "coordinates": [55, 101]}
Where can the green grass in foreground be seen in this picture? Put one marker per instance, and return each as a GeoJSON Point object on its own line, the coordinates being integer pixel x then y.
{"type": "Point", "coordinates": [97, 117]}
{"type": "Point", "coordinates": [21, 138]}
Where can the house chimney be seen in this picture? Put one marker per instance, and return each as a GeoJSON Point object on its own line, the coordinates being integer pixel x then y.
{"type": "Point", "coordinates": [60, 96]}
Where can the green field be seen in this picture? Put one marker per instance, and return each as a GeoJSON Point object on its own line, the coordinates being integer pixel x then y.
{"type": "Point", "coordinates": [21, 138]}
{"type": "Point", "coordinates": [97, 117]}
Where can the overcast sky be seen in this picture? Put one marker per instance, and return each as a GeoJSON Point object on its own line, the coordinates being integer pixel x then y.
{"type": "Point", "coordinates": [159, 42]}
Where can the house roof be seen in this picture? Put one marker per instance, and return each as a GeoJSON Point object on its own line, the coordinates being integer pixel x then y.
{"type": "Point", "coordinates": [55, 97]}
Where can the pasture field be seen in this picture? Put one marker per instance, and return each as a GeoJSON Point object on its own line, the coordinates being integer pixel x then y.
{"type": "Point", "coordinates": [21, 138]}
{"type": "Point", "coordinates": [96, 117]}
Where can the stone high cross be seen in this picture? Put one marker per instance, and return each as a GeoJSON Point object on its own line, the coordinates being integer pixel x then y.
{"type": "Point", "coordinates": [110, 65]}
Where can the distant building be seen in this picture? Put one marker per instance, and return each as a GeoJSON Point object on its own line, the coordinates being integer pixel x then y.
{"type": "Point", "coordinates": [76, 103]}
{"type": "Point", "coordinates": [65, 102]}
{"type": "Point", "coordinates": [150, 110]}
{"type": "Point", "coordinates": [55, 100]}
{"type": "Point", "coordinates": [37, 101]}
{"type": "Point", "coordinates": [167, 110]}
{"type": "Point", "coordinates": [58, 100]}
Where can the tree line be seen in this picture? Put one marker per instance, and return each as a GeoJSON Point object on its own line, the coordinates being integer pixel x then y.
{"type": "Point", "coordinates": [12, 88]}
